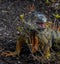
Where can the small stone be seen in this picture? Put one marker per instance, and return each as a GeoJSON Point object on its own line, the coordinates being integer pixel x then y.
{"type": "Point", "coordinates": [19, 62]}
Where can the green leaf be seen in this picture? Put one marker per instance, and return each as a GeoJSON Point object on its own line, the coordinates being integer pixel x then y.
{"type": "Point", "coordinates": [20, 28]}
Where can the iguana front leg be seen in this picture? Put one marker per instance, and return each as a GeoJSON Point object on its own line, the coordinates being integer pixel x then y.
{"type": "Point", "coordinates": [9, 53]}
{"type": "Point", "coordinates": [16, 52]}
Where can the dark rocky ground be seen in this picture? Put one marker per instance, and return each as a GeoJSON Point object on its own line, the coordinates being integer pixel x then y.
{"type": "Point", "coordinates": [9, 20]}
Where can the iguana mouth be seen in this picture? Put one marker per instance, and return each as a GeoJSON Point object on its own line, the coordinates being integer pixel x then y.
{"type": "Point", "coordinates": [41, 24]}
